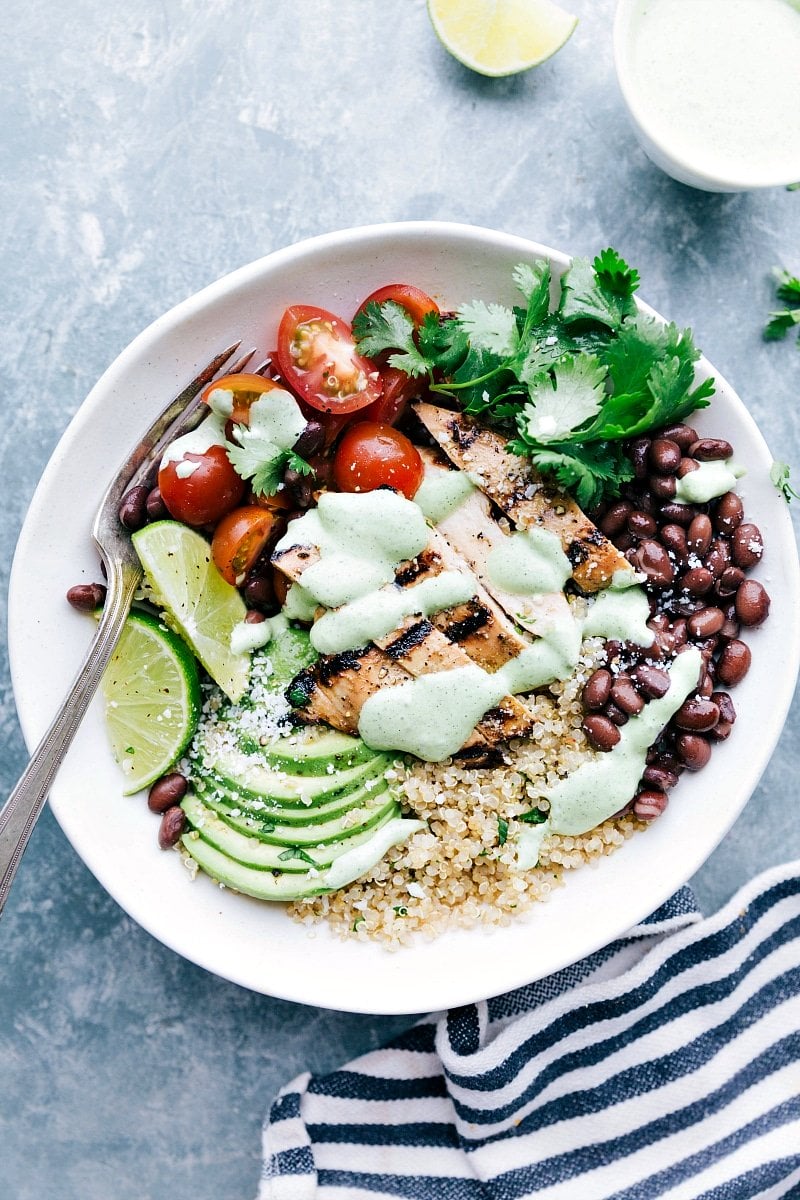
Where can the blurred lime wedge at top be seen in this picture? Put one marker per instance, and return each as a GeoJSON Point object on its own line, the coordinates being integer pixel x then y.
{"type": "Point", "coordinates": [197, 602]}
{"type": "Point", "coordinates": [501, 37]}
{"type": "Point", "coordinates": [152, 694]}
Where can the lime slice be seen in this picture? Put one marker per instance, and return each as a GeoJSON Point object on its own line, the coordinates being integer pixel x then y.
{"type": "Point", "coordinates": [501, 37]}
{"type": "Point", "coordinates": [197, 602]}
{"type": "Point", "coordinates": [152, 692]}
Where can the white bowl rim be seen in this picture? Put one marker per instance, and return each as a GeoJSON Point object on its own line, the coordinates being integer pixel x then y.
{"type": "Point", "coordinates": [166, 324]}
{"type": "Point", "coordinates": [641, 118]}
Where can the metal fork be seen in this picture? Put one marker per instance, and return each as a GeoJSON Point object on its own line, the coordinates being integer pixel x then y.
{"type": "Point", "coordinates": [21, 811]}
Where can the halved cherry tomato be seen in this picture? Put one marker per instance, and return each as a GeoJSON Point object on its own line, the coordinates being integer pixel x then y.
{"type": "Point", "coordinates": [318, 359]}
{"type": "Point", "coordinates": [246, 390]}
{"type": "Point", "coordinates": [370, 456]}
{"type": "Point", "coordinates": [416, 302]}
{"type": "Point", "coordinates": [398, 389]}
{"type": "Point", "coordinates": [207, 493]}
{"type": "Point", "coordinates": [239, 539]}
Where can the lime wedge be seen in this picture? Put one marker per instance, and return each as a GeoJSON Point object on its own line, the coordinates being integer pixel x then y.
{"type": "Point", "coordinates": [501, 37]}
{"type": "Point", "coordinates": [197, 602]}
{"type": "Point", "coordinates": [152, 693]}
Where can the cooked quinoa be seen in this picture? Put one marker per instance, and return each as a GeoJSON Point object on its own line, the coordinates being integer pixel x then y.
{"type": "Point", "coordinates": [462, 870]}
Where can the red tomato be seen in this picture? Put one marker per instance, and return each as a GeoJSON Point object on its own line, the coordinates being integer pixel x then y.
{"type": "Point", "coordinates": [398, 389]}
{"type": "Point", "coordinates": [202, 497]}
{"type": "Point", "coordinates": [318, 359]}
{"type": "Point", "coordinates": [239, 539]}
{"type": "Point", "coordinates": [416, 302]}
{"type": "Point", "coordinates": [246, 390]}
{"type": "Point", "coordinates": [370, 456]}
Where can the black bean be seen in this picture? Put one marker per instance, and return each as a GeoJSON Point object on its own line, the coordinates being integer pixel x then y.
{"type": "Point", "coordinates": [653, 561]}
{"type": "Point", "coordinates": [697, 581]}
{"type": "Point", "coordinates": [639, 452]}
{"type": "Point", "coordinates": [680, 633]}
{"type": "Point", "coordinates": [677, 514]}
{"type": "Point", "coordinates": [133, 508]}
{"type": "Point", "coordinates": [694, 750]}
{"type": "Point", "coordinates": [642, 524]}
{"type": "Point", "coordinates": [684, 435]}
{"type": "Point", "coordinates": [311, 440]}
{"type": "Point", "coordinates": [729, 513]}
{"type": "Point", "coordinates": [597, 689]}
{"type": "Point", "coordinates": [166, 792]}
{"type": "Point", "coordinates": [651, 680]}
{"type": "Point", "coordinates": [171, 828]}
{"type": "Point", "coordinates": [734, 662]}
{"type": "Point", "coordinates": [663, 486]}
{"type": "Point", "coordinates": [254, 617]}
{"type": "Point", "coordinates": [155, 507]}
{"type": "Point", "coordinates": [616, 518]}
{"type": "Point", "coordinates": [730, 581]}
{"type": "Point", "coordinates": [711, 449]}
{"type": "Point", "coordinates": [727, 710]}
{"type": "Point", "coordinates": [718, 557]}
{"type": "Point", "coordinates": [665, 455]}
{"type": "Point", "coordinates": [659, 777]}
{"type": "Point", "coordinates": [649, 804]}
{"type": "Point", "coordinates": [601, 732]}
{"type": "Point", "coordinates": [752, 603]}
{"type": "Point", "coordinates": [625, 695]}
{"type": "Point", "coordinates": [721, 731]}
{"type": "Point", "coordinates": [87, 597]}
{"type": "Point", "coordinates": [616, 716]}
{"type": "Point", "coordinates": [686, 466]}
{"type": "Point", "coordinates": [697, 714]}
{"type": "Point", "coordinates": [700, 534]}
{"type": "Point", "coordinates": [706, 623]}
{"type": "Point", "coordinates": [674, 538]}
{"type": "Point", "coordinates": [747, 545]}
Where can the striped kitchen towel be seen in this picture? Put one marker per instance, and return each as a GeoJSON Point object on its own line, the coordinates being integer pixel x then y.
{"type": "Point", "coordinates": [666, 1065]}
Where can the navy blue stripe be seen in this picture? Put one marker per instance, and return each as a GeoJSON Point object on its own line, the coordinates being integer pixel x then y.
{"type": "Point", "coordinates": [419, 1037]}
{"type": "Point", "coordinates": [580, 1019]}
{"type": "Point", "coordinates": [349, 1085]}
{"type": "Point", "coordinates": [411, 1187]}
{"type": "Point", "coordinates": [689, 1001]}
{"type": "Point", "coordinates": [298, 1161]}
{"type": "Point", "coordinates": [746, 1186]}
{"type": "Point", "coordinates": [522, 1180]}
{"type": "Point", "coordinates": [285, 1108]}
{"type": "Point", "coordinates": [463, 1029]}
{"type": "Point", "coordinates": [403, 1133]}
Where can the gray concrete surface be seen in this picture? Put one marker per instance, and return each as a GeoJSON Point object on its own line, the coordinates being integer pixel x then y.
{"type": "Point", "coordinates": [147, 149]}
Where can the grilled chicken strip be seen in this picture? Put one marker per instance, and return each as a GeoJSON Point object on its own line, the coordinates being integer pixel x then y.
{"type": "Point", "coordinates": [521, 492]}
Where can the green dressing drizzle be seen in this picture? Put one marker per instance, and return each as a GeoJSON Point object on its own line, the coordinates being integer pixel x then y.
{"type": "Point", "coordinates": [442, 492]}
{"type": "Point", "coordinates": [711, 479]}
{"type": "Point", "coordinates": [529, 563]}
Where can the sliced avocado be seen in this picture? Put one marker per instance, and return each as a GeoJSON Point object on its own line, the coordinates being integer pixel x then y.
{"type": "Point", "coordinates": [319, 833]}
{"type": "Point", "coordinates": [226, 799]}
{"type": "Point", "coordinates": [251, 852]}
{"type": "Point", "coordinates": [315, 751]}
{"type": "Point", "coordinates": [256, 781]}
{"type": "Point", "coordinates": [266, 884]}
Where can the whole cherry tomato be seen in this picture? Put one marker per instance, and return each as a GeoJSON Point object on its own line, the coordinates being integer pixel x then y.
{"type": "Point", "coordinates": [200, 487]}
{"type": "Point", "coordinates": [371, 455]}
{"type": "Point", "coordinates": [318, 359]}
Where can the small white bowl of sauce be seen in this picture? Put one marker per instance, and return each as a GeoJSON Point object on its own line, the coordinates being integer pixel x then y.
{"type": "Point", "coordinates": [713, 88]}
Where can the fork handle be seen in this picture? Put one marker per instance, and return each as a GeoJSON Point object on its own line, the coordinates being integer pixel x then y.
{"type": "Point", "coordinates": [21, 811]}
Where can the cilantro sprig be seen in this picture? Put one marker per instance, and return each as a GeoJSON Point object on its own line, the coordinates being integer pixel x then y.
{"type": "Point", "coordinates": [568, 381]}
{"type": "Point", "coordinates": [779, 476]}
{"type": "Point", "coordinates": [782, 320]}
{"type": "Point", "coordinates": [262, 449]}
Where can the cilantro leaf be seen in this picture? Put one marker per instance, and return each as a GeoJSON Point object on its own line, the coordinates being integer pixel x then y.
{"type": "Point", "coordinates": [443, 342]}
{"type": "Point", "coordinates": [491, 327]}
{"type": "Point", "coordinates": [533, 280]}
{"type": "Point", "coordinates": [502, 831]}
{"type": "Point", "coordinates": [561, 403]}
{"type": "Point", "coordinates": [779, 475]}
{"type": "Point", "coordinates": [614, 273]}
{"type": "Point", "coordinates": [590, 471]}
{"type": "Point", "coordinates": [534, 817]}
{"type": "Point", "coordinates": [788, 289]}
{"type": "Point", "coordinates": [585, 296]}
{"type": "Point", "coordinates": [389, 326]}
{"type": "Point", "coordinates": [263, 447]}
{"type": "Point", "coordinates": [780, 323]}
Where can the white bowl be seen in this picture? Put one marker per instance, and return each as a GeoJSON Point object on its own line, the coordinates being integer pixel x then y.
{"type": "Point", "coordinates": [661, 142]}
{"type": "Point", "coordinates": [255, 944]}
